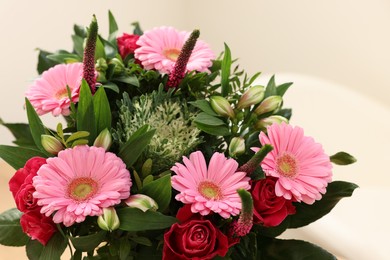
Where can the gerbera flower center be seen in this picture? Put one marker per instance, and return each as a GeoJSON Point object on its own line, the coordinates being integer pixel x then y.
{"type": "Point", "coordinates": [210, 190]}
{"type": "Point", "coordinates": [171, 54]}
{"type": "Point", "coordinates": [81, 189]}
{"type": "Point", "coordinates": [287, 165]}
{"type": "Point", "coordinates": [62, 93]}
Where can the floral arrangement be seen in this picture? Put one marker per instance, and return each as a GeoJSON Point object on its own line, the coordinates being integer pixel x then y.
{"type": "Point", "coordinates": [166, 151]}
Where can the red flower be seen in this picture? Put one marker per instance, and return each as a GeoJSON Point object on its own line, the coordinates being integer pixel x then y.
{"type": "Point", "coordinates": [194, 239]}
{"type": "Point", "coordinates": [21, 184]}
{"type": "Point", "coordinates": [38, 226]}
{"type": "Point", "coordinates": [269, 209]}
{"type": "Point", "coordinates": [127, 44]}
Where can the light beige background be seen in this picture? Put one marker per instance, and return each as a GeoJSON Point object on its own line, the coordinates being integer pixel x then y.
{"type": "Point", "coordinates": [336, 52]}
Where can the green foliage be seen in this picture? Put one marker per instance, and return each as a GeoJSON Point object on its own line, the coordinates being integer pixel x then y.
{"type": "Point", "coordinates": [88, 243]}
{"type": "Point", "coordinates": [22, 134]}
{"type": "Point", "coordinates": [160, 190]}
{"type": "Point", "coordinates": [52, 251]}
{"type": "Point", "coordinates": [86, 113]}
{"type": "Point", "coordinates": [16, 157]}
{"type": "Point", "coordinates": [342, 158]}
{"type": "Point", "coordinates": [11, 233]}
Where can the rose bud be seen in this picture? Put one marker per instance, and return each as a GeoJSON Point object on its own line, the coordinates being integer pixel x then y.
{"type": "Point", "coordinates": [221, 106]}
{"type": "Point", "coordinates": [269, 104]}
{"type": "Point", "coordinates": [51, 144]}
{"type": "Point", "coordinates": [236, 146]}
{"type": "Point", "coordinates": [103, 140]}
{"type": "Point", "coordinates": [142, 202]}
{"type": "Point", "coordinates": [262, 124]}
{"type": "Point", "coordinates": [109, 221]}
{"type": "Point", "coordinates": [251, 97]}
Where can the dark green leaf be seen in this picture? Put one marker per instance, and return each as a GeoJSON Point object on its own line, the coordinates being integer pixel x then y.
{"type": "Point", "coordinates": [22, 134]}
{"type": "Point", "coordinates": [342, 158]}
{"type": "Point", "coordinates": [113, 27]}
{"type": "Point", "coordinates": [225, 71]}
{"type": "Point", "coordinates": [99, 51]}
{"type": "Point", "coordinates": [78, 45]}
{"type": "Point", "coordinates": [88, 243]}
{"type": "Point", "coordinates": [271, 88]}
{"type": "Point", "coordinates": [132, 80]}
{"type": "Point", "coordinates": [214, 130]}
{"type": "Point", "coordinates": [137, 143]}
{"type": "Point", "coordinates": [206, 119]}
{"type": "Point", "coordinates": [205, 106]}
{"type": "Point", "coordinates": [64, 57]}
{"type": "Point", "coordinates": [80, 31]}
{"type": "Point", "coordinates": [133, 219]}
{"type": "Point", "coordinates": [11, 233]}
{"type": "Point", "coordinates": [137, 29]}
{"type": "Point", "coordinates": [124, 248]}
{"type": "Point", "coordinates": [34, 249]}
{"type": "Point", "coordinates": [102, 110]}
{"type": "Point", "coordinates": [278, 249]}
{"type": "Point", "coordinates": [43, 62]}
{"type": "Point", "coordinates": [109, 85]}
{"type": "Point", "coordinates": [85, 112]}
{"type": "Point", "coordinates": [159, 190]}
{"type": "Point", "coordinates": [16, 157]}
{"type": "Point", "coordinates": [54, 248]}
{"type": "Point", "coordinates": [109, 48]}
{"type": "Point", "coordinates": [281, 89]}
{"type": "Point", "coordinates": [77, 135]}
{"type": "Point", "coordinates": [307, 214]}
{"type": "Point", "coordinates": [36, 126]}
{"type": "Point", "coordinates": [142, 240]}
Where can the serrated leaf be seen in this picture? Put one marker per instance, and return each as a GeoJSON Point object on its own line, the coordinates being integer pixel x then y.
{"type": "Point", "coordinates": [17, 157]}
{"type": "Point", "coordinates": [225, 71]}
{"type": "Point", "coordinates": [205, 106]}
{"type": "Point", "coordinates": [11, 233]}
{"type": "Point", "coordinates": [342, 158]}
{"type": "Point", "coordinates": [102, 110]}
{"type": "Point", "coordinates": [85, 112]}
{"type": "Point", "coordinates": [159, 190]}
{"type": "Point", "coordinates": [133, 219]}
{"type": "Point", "coordinates": [88, 243]}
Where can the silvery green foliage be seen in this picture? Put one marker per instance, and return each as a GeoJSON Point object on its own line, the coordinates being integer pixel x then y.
{"type": "Point", "coordinates": [175, 135]}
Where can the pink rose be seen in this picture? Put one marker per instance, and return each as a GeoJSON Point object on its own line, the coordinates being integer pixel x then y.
{"type": "Point", "coordinates": [21, 184]}
{"type": "Point", "coordinates": [127, 44]}
{"type": "Point", "coordinates": [269, 209]}
{"type": "Point", "coordinates": [194, 239]}
{"type": "Point", "coordinates": [38, 226]}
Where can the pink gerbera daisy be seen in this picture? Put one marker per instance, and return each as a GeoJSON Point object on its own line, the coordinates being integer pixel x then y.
{"type": "Point", "coordinates": [300, 164]}
{"type": "Point", "coordinates": [81, 182]}
{"type": "Point", "coordinates": [160, 48]}
{"type": "Point", "coordinates": [213, 189]}
{"type": "Point", "coordinates": [49, 92]}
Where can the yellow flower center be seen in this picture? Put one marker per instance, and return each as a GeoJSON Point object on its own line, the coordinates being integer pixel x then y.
{"type": "Point", "coordinates": [62, 93]}
{"type": "Point", "coordinates": [171, 54]}
{"type": "Point", "coordinates": [81, 189]}
{"type": "Point", "coordinates": [210, 190]}
{"type": "Point", "coordinates": [287, 165]}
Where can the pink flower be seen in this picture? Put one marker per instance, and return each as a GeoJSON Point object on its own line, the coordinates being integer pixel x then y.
{"type": "Point", "coordinates": [81, 182]}
{"type": "Point", "coordinates": [300, 164]}
{"type": "Point", "coordinates": [160, 48]}
{"type": "Point", "coordinates": [49, 93]}
{"type": "Point", "coordinates": [213, 189]}
{"type": "Point", "coordinates": [127, 44]}
{"type": "Point", "coordinates": [38, 226]}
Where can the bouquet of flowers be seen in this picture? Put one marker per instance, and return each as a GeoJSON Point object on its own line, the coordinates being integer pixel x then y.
{"type": "Point", "coordinates": [165, 151]}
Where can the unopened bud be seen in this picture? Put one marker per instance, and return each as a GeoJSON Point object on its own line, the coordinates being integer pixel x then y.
{"type": "Point", "coordinates": [221, 106]}
{"type": "Point", "coordinates": [118, 65]}
{"type": "Point", "coordinates": [142, 202]}
{"type": "Point", "coordinates": [51, 144]}
{"type": "Point", "coordinates": [101, 65]}
{"type": "Point", "coordinates": [103, 140]}
{"type": "Point", "coordinates": [109, 221]}
{"type": "Point", "coordinates": [269, 104]}
{"type": "Point", "coordinates": [251, 97]}
{"type": "Point", "coordinates": [262, 124]}
{"type": "Point", "coordinates": [236, 146]}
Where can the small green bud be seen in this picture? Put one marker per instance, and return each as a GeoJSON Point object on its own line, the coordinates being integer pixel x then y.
{"type": "Point", "coordinates": [119, 66]}
{"type": "Point", "coordinates": [221, 106]}
{"type": "Point", "coordinates": [142, 202]}
{"type": "Point", "coordinates": [262, 124]}
{"type": "Point", "coordinates": [103, 140]}
{"type": "Point", "coordinates": [51, 144]}
{"type": "Point", "coordinates": [236, 146]}
{"type": "Point", "coordinates": [101, 65]}
{"type": "Point", "coordinates": [269, 104]}
{"type": "Point", "coordinates": [251, 97]}
{"type": "Point", "coordinates": [109, 221]}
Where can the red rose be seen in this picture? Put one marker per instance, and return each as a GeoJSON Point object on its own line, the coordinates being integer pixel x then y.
{"type": "Point", "coordinates": [21, 184]}
{"type": "Point", "coordinates": [38, 226]}
{"type": "Point", "coordinates": [127, 44]}
{"type": "Point", "coordinates": [269, 209]}
{"type": "Point", "coordinates": [194, 239]}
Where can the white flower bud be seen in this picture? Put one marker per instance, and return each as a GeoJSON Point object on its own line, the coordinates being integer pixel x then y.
{"type": "Point", "coordinates": [251, 97]}
{"type": "Point", "coordinates": [51, 144]}
{"type": "Point", "coordinates": [142, 202]}
{"type": "Point", "coordinates": [269, 104]}
{"type": "Point", "coordinates": [236, 146]}
{"type": "Point", "coordinates": [221, 106]}
{"type": "Point", "coordinates": [103, 140]}
{"type": "Point", "coordinates": [109, 221]}
{"type": "Point", "coordinates": [262, 124]}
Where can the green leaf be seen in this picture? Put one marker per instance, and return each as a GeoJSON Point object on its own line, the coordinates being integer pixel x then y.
{"type": "Point", "coordinates": [99, 51]}
{"type": "Point", "coordinates": [133, 219]}
{"type": "Point", "coordinates": [36, 125]}
{"type": "Point", "coordinates": [207, 119]}
{"type": "Point", "coordinates": [78, 45]}
{"type": "Point", "coordinates": [102, 110]}
{"type": "Point", "coordinates": [342, 158]}
{"type": "Point", "coordinates": [109, 85]}
{"type": "Point", "coordinates": [113, 27]}
{"type": "Point", "coordinates": [64, 57]}
{"type": "Point", "coordinates": [205, 106]}
{"type": "Point", "coordinates": [80, 31]}
{"type": "Point", "coordinates": [137, 29]}
{"type": "Point", "coordinates": [272, 248]}
{"type": "Point", "coordinates": [88, 243]}
{"type": "Point", "coordinates": [109, 48]}
{"type": "Point", "coordinates": [124, 248]}
{"type": "Point", "coordinates": [11, 233]}
{"type": "Point", "coordinates": [54, 248]}
{"type": "Point", "coordinates": [281, 89]}
{"type": "Point", "coordinates": [43, 62]}
{"type": "Point", "coordinates": [159, 190]}
{"type": "Point", "coordinates": [34, 249]}
{"type": "Point", "coordinates": [132, 80]}
{"type": "Point", "coordinates": [77, 135]}
{"type": "Point", "coordinates": [134, 147]}
{"type": "Point", "coordinates": [225, 71]}
{"type": "Point", "coordinates": [16, 157]}
{"type": "Point", "coordinates": [271, 88]}
{"type": "Point", "coordinates": [213, 130]}
{"type": "Point", "coordinates": [85, 112]}
{"type": "Point", "coordinates": [307, 214]}
{"type": "Point", "coordinates": [142, 240]}
{"type": "Point", "coordinates": [22, 134]}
